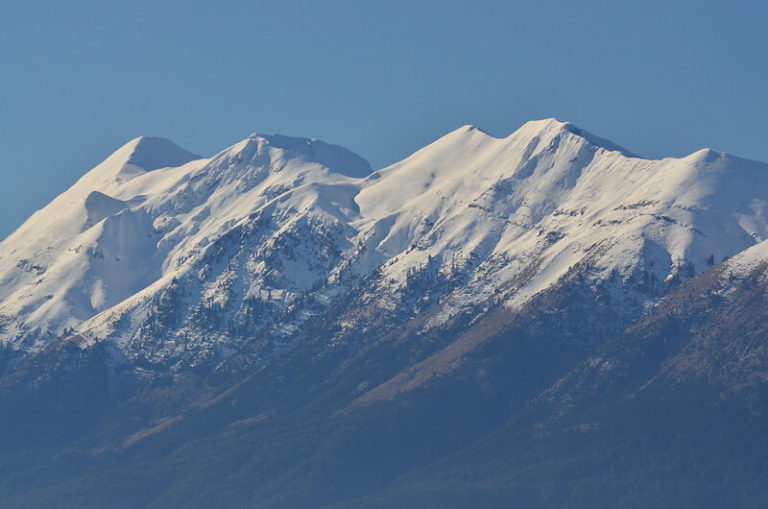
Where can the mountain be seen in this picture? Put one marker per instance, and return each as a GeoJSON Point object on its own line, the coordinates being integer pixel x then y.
{"type": "Point", "coordinates": [669, 412]}
{"type": "Point", "coordinates": [289, 326]}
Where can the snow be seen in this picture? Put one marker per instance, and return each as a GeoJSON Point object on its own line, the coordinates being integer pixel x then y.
{"type": "Point", "coordinates": [746, 262]}
{"type": "Point", "coordinates": [233, 241]}
{"type": "Point", "coordinates": [502, 198]}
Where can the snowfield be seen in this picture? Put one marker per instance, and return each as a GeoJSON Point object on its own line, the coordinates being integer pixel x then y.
{"type": "Point", "coordinates": [179, 257]}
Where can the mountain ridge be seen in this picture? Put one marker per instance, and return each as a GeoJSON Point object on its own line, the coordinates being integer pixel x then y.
{"type": "Point", "coordinates": [468, 194]}
{"type": "Point", "coordinates": [533, 320]}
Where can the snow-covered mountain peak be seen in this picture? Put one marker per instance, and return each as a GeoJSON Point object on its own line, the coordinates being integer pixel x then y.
{"type": "Point", "coordinates": [138, 156]}
{"type": "Point", "coordinates": [152, 152]}
{"type": "Point", "coordinates": [77, 208]}
{"type": "Point", "coordinates": [276, 151]}
{"type": "Point", "coordinates": [705, 155]}
{"type": "Point", "coordinates": [275, 222]}
{"type": "Point", "coordinates": [151, 211]}
{"type": "Point", "coordinates": [551, 127]}
{"type": "Point", "coordinates": [542, 125]}
{"type": "Point", "coordinates": [539, 160]}
{"type": "Point", "coordinates": [469, 129]}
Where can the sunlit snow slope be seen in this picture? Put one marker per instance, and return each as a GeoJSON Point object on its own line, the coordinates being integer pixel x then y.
{"type": "Point", "coordinates": [179, 257]}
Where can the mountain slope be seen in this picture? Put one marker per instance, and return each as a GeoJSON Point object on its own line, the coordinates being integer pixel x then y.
{"type": "Point", "coordinates": [491, 218]}
{"type": "Point", "coordinates": [122, 229]}
{"type": "Point", "coordinates": [475, 324]}
{"type": "Point", "coordinates": [668, 413]}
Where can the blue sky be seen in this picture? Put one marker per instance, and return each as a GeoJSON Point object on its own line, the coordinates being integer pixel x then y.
{"type": "Point", "coordinates": [80, 78]}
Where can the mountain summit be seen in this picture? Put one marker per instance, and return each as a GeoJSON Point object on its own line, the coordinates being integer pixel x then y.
{"type": "Point", "coordinates": [273, 217]}
{"type": "Point", "coordinates": [480, 324]}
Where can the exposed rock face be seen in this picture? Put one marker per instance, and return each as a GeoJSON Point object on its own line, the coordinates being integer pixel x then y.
{"type": "Point", "coordinates": [337, 335]}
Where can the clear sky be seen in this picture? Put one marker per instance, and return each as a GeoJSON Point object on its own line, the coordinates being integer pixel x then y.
{"type": "Point", "coordinates": [79, 78]}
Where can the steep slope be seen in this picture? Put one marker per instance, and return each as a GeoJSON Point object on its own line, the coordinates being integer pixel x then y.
{"type": "Point", "coordinates": [276, 323]}
{"type": "Point", "coordinates": [470, 219]}
{"type": "Point", "coordinates": [123, 232]}
{"type": "Point", "coordinates": [498, 221]}
{"type": "Point", "coordinates": [668, 413]}
{"type": "Point", "coordinates": [623, 428]}
{"type": "Point", "coordinates": [53, 270]}
{"type": "Point", "coordinates": [548, 192]}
